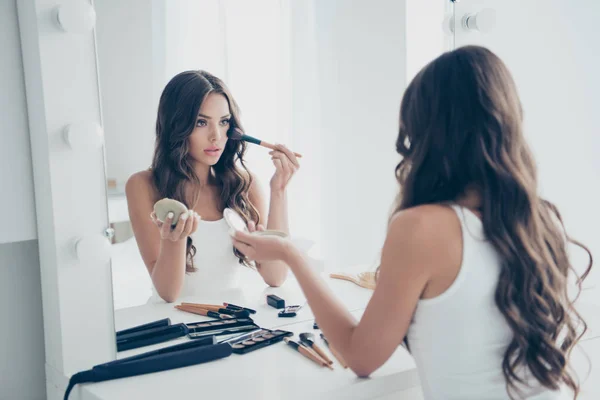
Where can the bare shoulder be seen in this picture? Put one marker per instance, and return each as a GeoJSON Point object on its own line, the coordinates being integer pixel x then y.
{"type": "Point", "coordinates": [139, 186]}
{"type": "Point", "coordinates": [430, 219]}
{"type": "Point", "coordinates": [432, 233]}
{"type": "Point", "coordinates": [255, 189]}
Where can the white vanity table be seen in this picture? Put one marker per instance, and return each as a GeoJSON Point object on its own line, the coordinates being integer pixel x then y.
{"type": "Point", "coordinates": [273, 372]}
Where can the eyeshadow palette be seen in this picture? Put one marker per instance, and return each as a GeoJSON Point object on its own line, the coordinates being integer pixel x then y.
{"type": "Point", "coordinates": [198, 330]}
{"type": "Point", "coordinates": [257, 340]}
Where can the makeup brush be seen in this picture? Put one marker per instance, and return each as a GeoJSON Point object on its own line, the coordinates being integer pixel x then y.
{"type": "Point", "coordinates": [363, 279]}
{"type": "Point", "coordinates": [203, 311]}
{"type": "Point", "coordinates": [308, 339]}
{"type": "Point", "coordinates": [220, 310]}
{"type": "Point", "coordinates": [306, 353]}
{"type": "Point", "coordinates": [238, 134]}
{"type": "Point", "coordinates": [335, 353]}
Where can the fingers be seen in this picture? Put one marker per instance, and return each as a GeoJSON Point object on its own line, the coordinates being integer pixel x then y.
{"type": "Point", "coordinates": [178, 231]}
{"type": "Point", "coordinates": [289, 154]}
{"type": "Point", "coordinates": [281, 162]}
{"type": "Point", "coordinates": [189, 224]}
{"type": "Point", "coordinates": [251, 226]}
{"type": "Point", "coordinates": [243, 237]}
{"type": "Point", "coordinates": [165, 230]}
{"type": "Point", "coordinates": [186, 225]}
{"type": "Point", "coordinates": [278, 165]}
{"type": "Point", "coordinates": [197, 219]}
{"type": "Point", "coordinates": [261, 227]}
{"type": "Point", "coordinates": [287, 166]}
{"type": "Point", "coordinates": [155, 220]}
{"type": "Point", "coordinates": [245, 249]}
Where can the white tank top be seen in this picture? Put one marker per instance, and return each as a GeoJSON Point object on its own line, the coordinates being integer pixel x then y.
{"type": "Point", "coordinates": [217, 268]}
{"type": "Point", "coordinates": [458, 339]}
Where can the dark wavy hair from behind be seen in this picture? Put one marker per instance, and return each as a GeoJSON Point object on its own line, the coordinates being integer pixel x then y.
{"type": "Point", "coordinates": [461, 126]}
{"type": "Point", "coordinates": [172, 168]}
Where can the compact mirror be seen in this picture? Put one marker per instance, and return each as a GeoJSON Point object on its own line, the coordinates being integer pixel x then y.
{"type": "Point", "coordinates": [234, 220]}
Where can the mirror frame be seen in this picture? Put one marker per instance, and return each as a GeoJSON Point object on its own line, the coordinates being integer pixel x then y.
{"type": "Point", "coordinates": [62, 88]}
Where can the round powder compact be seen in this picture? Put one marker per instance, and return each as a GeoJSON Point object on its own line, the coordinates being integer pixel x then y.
{"type": "Point", "coordinates": [165, 206]}
{"type": "Point", "coordinates": [270, 232]}
{"type": "Point", "coordinates": [234, 220]}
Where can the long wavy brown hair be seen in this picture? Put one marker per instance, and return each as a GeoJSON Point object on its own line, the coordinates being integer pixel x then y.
{"type": "Point", "coordinates": [461, 126]}
{"type": "Point", "coordinates": [172, 168]}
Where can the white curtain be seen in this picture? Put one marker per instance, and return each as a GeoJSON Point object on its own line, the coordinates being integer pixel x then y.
{"type": "Point", "coordinates": [265, 50]}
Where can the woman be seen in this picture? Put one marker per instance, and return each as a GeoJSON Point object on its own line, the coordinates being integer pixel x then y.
{"type": "Point", "coordinates": [195, 163]}
{"type": "Point", "coordinates": [474, 268]}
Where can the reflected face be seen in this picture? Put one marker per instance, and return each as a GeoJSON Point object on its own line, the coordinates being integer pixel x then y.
{"type": "Point", "coordinates": [209, 136]}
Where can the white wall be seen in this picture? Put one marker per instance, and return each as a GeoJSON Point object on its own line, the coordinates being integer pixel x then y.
{"type": "Point", "coordinates": [362, 68]}
{"type": "Point", "coordinates": [15, 157]}
{"type": "Point", "coordinates": [22, 335]}
{"type": "Point", "coordinates": [428, 33]}
{"type": "Point", "coordinates": [128, 83]}
{"type": "Point", "coordinates": [141, 45]}
{"type": "Point", "coordinates": [551, 48]}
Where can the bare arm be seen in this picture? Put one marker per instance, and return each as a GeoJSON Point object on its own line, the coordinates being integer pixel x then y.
{"type": "Point", "coordinates": [274, 273]}
{"type": "Point", "coordinates": [163, 250]}
{"type": "Point", "coordinates": [417, 247]}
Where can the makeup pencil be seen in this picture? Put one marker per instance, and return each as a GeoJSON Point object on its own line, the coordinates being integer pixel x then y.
{"type": "Point", "coordinates": [203, 311]}
{"type": "Point", "coordinates": [220, 309]}
{"type": "Point", "coordinates": [233, 306]}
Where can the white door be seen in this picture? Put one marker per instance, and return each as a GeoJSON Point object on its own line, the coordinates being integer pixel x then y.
{"type": "Point", "coordinates": [551, 47]}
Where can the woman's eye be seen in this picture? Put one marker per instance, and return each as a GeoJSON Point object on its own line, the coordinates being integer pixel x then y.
{"type": "Point", "coordinates": [201, 122]}
{"type": "Point", "coordinates": [225, 122]}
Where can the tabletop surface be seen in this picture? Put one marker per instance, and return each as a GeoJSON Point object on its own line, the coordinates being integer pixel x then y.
{"type": "Point", "coordinates": [273, 372]}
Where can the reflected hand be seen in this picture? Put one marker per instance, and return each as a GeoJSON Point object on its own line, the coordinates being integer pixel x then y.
{"type": "Point", "coordinates": [253, 228]}
{"type": "Point", "coordinates": [286, 165]}
{"type": "Point", "coordinates": [261, 248]}
{"type": "Point", "coordinates": [187, 224]}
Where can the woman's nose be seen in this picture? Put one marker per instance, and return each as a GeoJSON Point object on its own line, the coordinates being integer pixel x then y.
{"type": "Point", "coordinates": [215, 134]}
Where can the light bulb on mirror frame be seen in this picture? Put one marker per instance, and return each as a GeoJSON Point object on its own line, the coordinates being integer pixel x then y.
{"type": "Point", "coordinates": [76, 17]}
{"type": "Point", "coordinates": [92, 249]}
{"type": "Point", "coordinates": [84, 136]}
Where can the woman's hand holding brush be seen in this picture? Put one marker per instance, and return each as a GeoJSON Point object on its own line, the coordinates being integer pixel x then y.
{"type": "Point", "coordinates": [286, 165]}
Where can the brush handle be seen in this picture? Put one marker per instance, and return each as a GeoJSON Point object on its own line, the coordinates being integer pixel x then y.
{"type": "Point", "coordinates": [305, 352]}
{"type": "Point", "coordinates": [338, 357]}
{"type": "Point", "coordinates": [220, 310]}
{"type": "Point", "coordinates": [262, 143]}
{"type": "Point", "coordinates": [320, 352]}
{"type": "Point", "coordinates": [362, 283]}
{"type": "Point", "coordinates": [345, 278]}
{"type": "Point", "coordinates": [335, 353]}
{"type": "Point", "coordinates": [203, 311]}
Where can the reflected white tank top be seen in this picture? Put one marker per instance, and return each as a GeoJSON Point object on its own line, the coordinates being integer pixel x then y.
{"type": "Point", "coordinates": [217, 267]}
{"type": "Point", "coordinates": [458, 338]}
